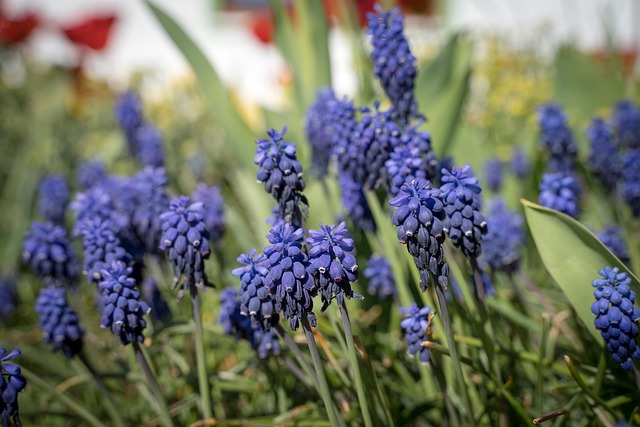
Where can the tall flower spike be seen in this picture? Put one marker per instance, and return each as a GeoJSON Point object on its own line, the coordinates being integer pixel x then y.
{"type": "Point", "coordinates": [493, 173]}
{"type": "Point", "coordinates": [355, 203]}
{"type": "Point", "coordinates": [419, 218]}
{"type": "Point", "coordinates": [281, 173]}
{"type": "Point", "coordinates": [11, 383]}
{"type": "Point", "coordinates": [59, 322]}
{"type": "Point", "coordinates": [186, 239]}
{"type": "Point", "coordinates": [333, 265]}
{"type": "Point", "coordinates": [90, 174]}
{"type": "Point", "coordinates": [256, 301]}
{"type": "Point", "coordinates": [53, 198]}
{"type": "Point", "coordinates": [626, 123]}
{"type": "Point", "coordinates": [560, 191]}
{"type": "Point", "coordinates": [616, 315]}
{"type": "Point", "coordinates": [150, 200]}
{"type": "Point", "coordinates": [465, 225]}
{"type": "Point", "coordinates": [520, 165]}
{"type": "Point", "coordinates": [631, 180]}
{"type": "Point", "coordinates": [343, 122]}
{"type": "Point", "coordinates": [293, 288]}
{"type": "Point", "coordinates": [213, 203]}
{"type": "Point", "coordinates": [501, 246]}
{"type": "Point", "coordinates": [48, 251]}
{"type": "Point", "coordinates": [415, 330]}
{"type": "Point", "coordinates": [393, 62]}
{"type": "Point", "coordinates": [123, 310]}
{"type": "Point", "coordinates": [320, 131]}
{"type": "Point", "coordinates": [128, 111]}
{"type": "Point", "coordinates": [556, 137]}
{"type": "Point", "coordinates": [604, 159]}
{"type": "Point", "coordinates": [101, 247]}
{"type": "Point", "coordinates": [612, 239]}
{"type": "Point", "coordinates": [148, 145]}
{"type": "Point", "coordinates": [382, 282]}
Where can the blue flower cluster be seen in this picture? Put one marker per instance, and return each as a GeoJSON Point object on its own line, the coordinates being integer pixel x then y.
{"type": "Point", "coordinates": [101, 246]}
{"type": "Point", "coordinates": [213, 210]}
{"type": "Point", "coordinates": [281, 173]}
{"type": "Point", "coordinates": [48, 251]}
{"type": "Point", "coordinates": [91, 174]}
{"type": "Point", "coordinates": [465, 225]}
{"type": "Point", "coordinates": [53, 198]}
{"type": "Point", "coordinates": [560, 191]}
{"type": "Point", "coordinates": [149, 199]}
{"type": "Point", "coordinates": [626, 123]}
{"type": "Point", "coordinates": [520, 163]}
{"type": "Point", "coordinates": [186, 240]}
{"type": "Point", "coordinates": [394, 64]}
{"type": "Point", "coordinates": [382, 282]}
{"type": "Point", "coordinates": [148, 143]}
{"type": "Point", "coordinates": [493, 173]}
{"type": "Point", "coordinates": [255, 288]}
{"type": "Point", "coordinates": [59, 322]}
{"type": "Point", "coordinates": [631, 179]}
{"type": "Point", "coordinates": [160, 310]}
{"type": "Point", "coordinates": [556, 137]}
{"type": "Point", "coordinates": [420, 220]}
{"type": "Point", "coordinates": [320, 131]}
{"type": "Point", "coordinates": [415, 330]}
{"type": "Point", "coordinates": [612, 239]}
{"type": "Point", "coordinates": [11, 383]}
{"type": "Point", "coordinates": [604, 159]}
{"type": "Point", "coordinates": [293, 287]}
{"type": "Point", "coordinates": [8, 297]}
{"type": "Point", "coordinates": [616, 315]}
{"type": "Point", "coordinates": [501, 246]}
{"type": "Point", "coordinates": [355, 203]}
{"type": "Point", "coordinates": [332, 264]}
{"type": "Point", "coordinates": [123, 310]}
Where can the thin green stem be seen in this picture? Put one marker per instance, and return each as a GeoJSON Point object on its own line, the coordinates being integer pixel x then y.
{"type": "Point", "coordinates": [104, 392]}
{"type": "Point", "coordinates": [455, 360]}
{"type": "Point", "coordinates": [163, 410]}
{"type": "Point", "coordinates": [355, 365]}
{"type": "Point", "coordinates": [322, 380]}
{"type": "Point", "coordinates": [451, 410]}
{"type": "Point", "coordinates": [289, 342]}
{"type": "Point", "coordinates": [541, 358]}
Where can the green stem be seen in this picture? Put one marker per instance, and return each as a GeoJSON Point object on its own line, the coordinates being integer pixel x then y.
{"type": "Point", "coordinates": [298, 355]}
{"type": "Point", "coordinates": [322, 380]}
{"type": "Point", "coordinates": [355, 365]}
{"type": "Point", "coordinates": [201, 362]}
{"type": "Point", "coordinates": [108, 399]}
{"type": "Point", "coordinates": [541, 359]}
{"type": "Point", "coordinates": [451, 410]}
{"type": "Point", "coordinates": [455, 360]}
{"type": "Point", "coordinates": [163, 410]}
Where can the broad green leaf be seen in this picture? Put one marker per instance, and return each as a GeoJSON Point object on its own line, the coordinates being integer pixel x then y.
{"type": "Point", "coordinates": [217, 96]}
{"type": "Point", "coordinates": [572, 255]}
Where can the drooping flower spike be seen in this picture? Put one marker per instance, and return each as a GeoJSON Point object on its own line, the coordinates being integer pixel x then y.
{"type": "Point", "coordinates": [256, 300]}
{"type": "Point", "coordinates": [59, 322]}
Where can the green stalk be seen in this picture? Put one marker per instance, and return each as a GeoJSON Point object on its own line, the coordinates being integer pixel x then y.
{"type": "Point", "coordinates": [104, 392]}
{"type": "Point", "coordinates": [163, 410]}
{"type": "Point", "coordinates": [355, 365]}
{"type": "Point", "coordinates": [322, 380]}
{"type": "Point", "coordinates": [455, 360]}
{"type": "Point", "coordinates": [203, 378]}
{"type": "Point", "coordinates": [541, 359]}
{"type": "Point", "coordinates": [298, 355]}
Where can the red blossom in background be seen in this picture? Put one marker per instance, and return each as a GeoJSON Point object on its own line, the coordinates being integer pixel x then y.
{"type": "Point", "coordinates": [261, 24]}
{"type": "Point", "coordinates": [93, 32]}
{"type": "Point", "coordinates": [14, 31]}
{"type": "Point", "coordinates": [363, 7]}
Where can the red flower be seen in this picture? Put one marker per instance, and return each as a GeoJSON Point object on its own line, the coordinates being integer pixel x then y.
{"type": "Point", "coordinates": [363, 7]}
{"type": "Point", "coordinates": [261, 24]}
{"type": "Point", "coordinates": [14, 31]}
{"type": "Point", "coordinates": [93, 32]}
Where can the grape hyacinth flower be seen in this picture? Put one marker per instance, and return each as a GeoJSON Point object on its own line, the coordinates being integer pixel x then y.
{"type": "Point", "coordinates": [293, 288]}
{"type": "Point", "coordinates": [186, 239]}
{"type": "Point", "coordinates": [91, 174]}
{"type": "Point", "coordinates": [626, 123]}
{"type": "Point", "coordinates": [520, 165]}
{"type": "Point", "coordinates": [604, 160]}
{"type": "Point", "coordinates": [493, 173]}
{"type": "Point", "coordinates": [128, 111]}
{"type": "Point", "coordinates": [332, 264]}
{"type": "Point", "coordinates": [465, 225]}
{"type": "Point", "coordinates": [419, 218]}
{"type": "Point", "coordinates": [281, 173]}
{"type": "Point", "coordinates": [382, 282]}
{"type": "Point", "coordinates": [631, 180]}
{"type": "Point", "coordinates": [394, 64]}
{"type": "Point", "coordinates": [556, 137]}
{"type": "Point", "coordinates": [150, 293]}
{"type": "Point", "coordinates": [355, 203]}
{"type": "Point", "coordinates": [123, 309]}
{"type": "Point", "coordinates": [501, 246]}
{"type": "Point", "coordinates": [101, 247]}
{"type": "Point", "coordinates": [560, 191]}
{"type": "Point", "coordinates": [415, 330]}
{"type": "Point", "coordinates": [612, 238]}
{"type": "Point", "coordinates": [256, 300]}
{"type": "Point", "coordinates": [53, 198]}
{"type": "Point", "coordinates": [213, 212]}
{"type": "Point", "coordinates": [59, 322]}
{"type": "Point", "coordinates": [48, 251]}
{"type": "Point", "coordinates": [616, 315]}
{"type": "Point", "coordinates": [148, 145]}
{"type": "Point", "coordinates": [8, 297]}
{"type": "Point", "coordinates": [148, 190]}
{"type": "Point", "coordinates": [11, 383]}
{"type": "Point", "coordinates": [319, 130]}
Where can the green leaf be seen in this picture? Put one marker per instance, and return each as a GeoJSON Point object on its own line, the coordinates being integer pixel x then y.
{"type": "Point", "coordinates": [572, 255]}
{"type": "Point", "coordinates": [214, 92]}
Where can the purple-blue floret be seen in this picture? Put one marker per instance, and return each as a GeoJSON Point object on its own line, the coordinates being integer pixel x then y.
{"type": "Point", "coordinates": [319, 129]}
{"type": "Point", "coordinates": [504, 239]}
{"type": "Point", "coordinates": [382, 282]}
{"type": "Point", "coordinates": [611, 236]}
{"type": "Point", "coordinates": [493, 173]}
{"type": "Point", "coordinates": [11, 383]}
{"type": "Point", "coordinates": [604, 160]}
{"type": "Point", "coordinates": [213, 211]}
{"type": "Point", "coordinates": [256, 301]}
{"type": "Point", "coordinates": [415, 330]}
{"type": "Point", "coordinates": [53, 198]}
{"type": "Point", "coordinates": [59, 323]}
{"type": "Point", "coordinates": [560, 191]}
{"type": "Point", "coordinates": [49, 253]}
{"type": "Point", "coordinates": [556, 138]}
{"type": "Point", "coordinates": [626, 124]}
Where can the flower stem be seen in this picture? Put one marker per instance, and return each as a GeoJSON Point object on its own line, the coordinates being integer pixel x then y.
{"type": "Point", "coordinates": [108, 399]}
{"type": "Point", "coordinates": [298, 355]}
{"type": "Point", "coordinates": [203, 378]}
{"type": "Point", "coordinates": [455, 360]}
{"type": "Point", "coordinates": [355, 364]}
{"type": "Point", "coordinates": [163, 410]}
{"type": "Point", "coordinates": [322, 380]}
